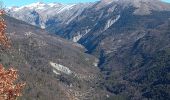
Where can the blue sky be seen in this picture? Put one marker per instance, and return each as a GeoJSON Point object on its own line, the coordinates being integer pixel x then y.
{"type": "Point", "coordinates": [9, 3]}
{"type": "Point", "coordinates": [166, 0]}
{"type": "Point", "coordinates": [24, 2]}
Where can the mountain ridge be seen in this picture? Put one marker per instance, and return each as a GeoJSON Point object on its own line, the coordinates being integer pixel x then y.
{"type": "Point", "coordinates": [34, 13]}
{"type": "Point", "coordinates": [46, 65]}
{"type": "Point", "coordinates": [130, 40]}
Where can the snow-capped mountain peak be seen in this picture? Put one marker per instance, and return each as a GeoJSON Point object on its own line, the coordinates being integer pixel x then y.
{"type": "Point", "coordinates": [41, 14]}
{"type": "Point", "coordinates": [42, 6]}
{"type": "Point", "coordinates": [35, 6]}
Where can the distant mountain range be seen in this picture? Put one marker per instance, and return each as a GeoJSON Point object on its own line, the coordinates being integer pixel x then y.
{"type": "Point", "coordinates": [129, 37]}
{"type": "Point", "coordinates": [42, 15]}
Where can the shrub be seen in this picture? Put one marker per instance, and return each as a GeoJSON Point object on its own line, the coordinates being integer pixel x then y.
{"type": "Point", "coordinates": [9, 90]}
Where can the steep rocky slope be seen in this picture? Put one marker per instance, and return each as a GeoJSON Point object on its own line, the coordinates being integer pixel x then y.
{"type": "Point", "coordinates": [102, 15]}
{"type": "Point", "coordinates": [53, 68]}
{"type": "Point", "coordinates": [131, 39]}
{"type": "Point", "coordinates": [138, 68]}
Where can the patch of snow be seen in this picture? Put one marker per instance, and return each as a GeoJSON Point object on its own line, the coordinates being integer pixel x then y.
{"type": "Point", "coordinates": [60, 68]}
{"type": "Point", "coordinates": [110, 22]}
{"type": "Point", "coordinates": [96, 62]}
{"type": "Point", "coordinates": [87, 31]}
{"type": "Point", "coordinates": [54, 71]}
{"type": "Point", "coordinates": [77, 38]}
{"type": "Point", "coordinates": [52, 4]}
{"type": "Point", "coordinates": [107, 96]}
{"type": "Point", "coordinates": [28, 33]}
{"type": "Point", "coordinates": [43, 26]}
{"type": "Point", "coordinates": [67, 7]}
